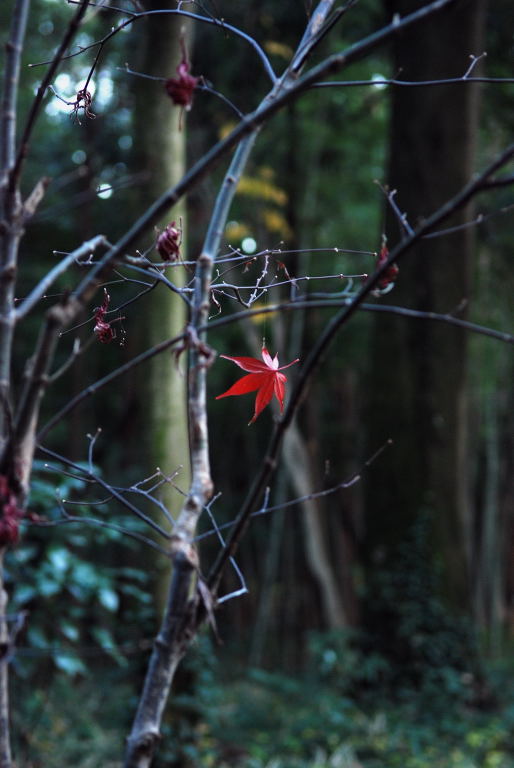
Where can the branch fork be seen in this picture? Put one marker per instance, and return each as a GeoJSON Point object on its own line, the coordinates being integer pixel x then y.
{"type": "Point", "coordinates": [191, 340]}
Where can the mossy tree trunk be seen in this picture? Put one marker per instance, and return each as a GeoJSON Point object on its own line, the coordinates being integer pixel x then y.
{"type": "Point", "coordinates": [160, 151]}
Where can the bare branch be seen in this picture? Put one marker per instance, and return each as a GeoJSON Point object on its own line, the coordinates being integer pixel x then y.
{"type": "Point", "coordinates": [202, 85]}
{"type": "Point", "coordinates": [217, 530]}
{"type": "Point", "coordinates": [76, 350]}
{"type": "Point", "coordinates": [474, 62]}
{"type": "Point", "coordinates": [320, 24]}
{"type": "Point", "coordinates": [11, 222]}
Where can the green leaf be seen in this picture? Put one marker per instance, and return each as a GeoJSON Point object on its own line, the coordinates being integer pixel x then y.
{"type": "Point", "coordinates": [24, 594]}
{"type": "Point", "coordinates": [72, 665]}
{"type": "Point", "coordinates": [71, 631]}
{"type": "Point", "coordinates": [59, 559]}
{"type": "Point", "coordinates": [107, 642]}
{"type": "Point", "coordinates": [109, 599]}
{"type": "Point", "coordinates": [48, 587]}
{"type": "Point", "coordinates": [36, 637]}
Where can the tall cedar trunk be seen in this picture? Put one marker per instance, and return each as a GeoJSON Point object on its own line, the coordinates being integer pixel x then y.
{"type": "Point", "coordinates": [160, 137]}
{"type": "Point", "coordinates": [418, 382]}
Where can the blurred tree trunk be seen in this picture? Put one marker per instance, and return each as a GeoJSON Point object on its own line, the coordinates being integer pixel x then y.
{"type": "Point", "coordinates": [418, 384]}
{"type": "Point", "coordinates": [493, 424]}
{"type": "Point", "coordinates": [297, 463]}
{"type": "Point", "coordinates": [298, 460]}
{"type": "Point", "coordinates": [160, 151]}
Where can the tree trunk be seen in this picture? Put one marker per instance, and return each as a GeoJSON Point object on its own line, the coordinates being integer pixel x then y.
{"type": "Point", "coordinates": [418, 391]}
{"type": "Point", "coordinates": [160, 137]}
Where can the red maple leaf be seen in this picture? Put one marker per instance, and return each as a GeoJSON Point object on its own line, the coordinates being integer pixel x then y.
{"type": "Point", "coordinates": [265, 377]}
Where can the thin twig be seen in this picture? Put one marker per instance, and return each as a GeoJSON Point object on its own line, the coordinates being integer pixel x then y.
{"type": "Point", "coordinates": [93, 521]}
{"type": "Point", "coordinates": [379, 81]}
{"type": "Point", "coordinates": [107, 487]}
{"type": "Point", "coordinates": [84, 250]}
{"type": "Point", "coordinates": [166, 11]}
{"type": "Point", "coordinates": [265, 509]}
{"type": "Point", "coordinates": [37, 103]}
{"type": "Point", "coordinates": [217, 530]}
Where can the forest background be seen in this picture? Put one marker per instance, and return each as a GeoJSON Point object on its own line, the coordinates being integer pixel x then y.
{"type": "Point", "coordinates": [376, 629]}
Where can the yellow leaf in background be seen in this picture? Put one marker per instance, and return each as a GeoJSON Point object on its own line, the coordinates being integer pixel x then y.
{"type": "Point", "coordinates": [274, 221]}
{"type": "Point", "coordinates": [274, 48]}
{"type": "Point", "coordinates": [265, 172]}
{"type": "Point", "coordinates": [259, 319]}
{"type": "Point", "coordinates": [225, 129]}
{"type": "Point", "coordinates": [235, 231]}
{"type": "Point", "coordinates": [263, 189]}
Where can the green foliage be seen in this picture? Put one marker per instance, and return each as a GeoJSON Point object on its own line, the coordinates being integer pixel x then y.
{"type": "Point", "coordinates": [259, 719]}
{"type": "Point", "coordinates": [71, 582]}
{"type": "Point", "coordinates": [336, 714]}
{"type": "Point", "coordinates": [337, 661]}
{"type": "Point", "coordinates": [407, 622]}
{"type": "Point", "coordinates": [51, 731]}
{"type": "Point", "coordinates": [269, 720]}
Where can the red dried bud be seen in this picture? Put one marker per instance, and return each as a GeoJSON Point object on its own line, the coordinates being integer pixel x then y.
{"type": "Point", "coordinates": [169, 241]}
{"type": "Point", "coordinates": [104, 332]}
{"type": "Point", "coordinates": [102, 329]}
{"type": "Point", "coordinates": [11, 514]}
{"type": "Point", "coordinates": [391, 272]}
{"type": "Point", "coordinates": [180, 89]}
